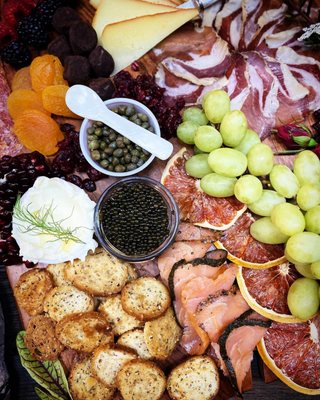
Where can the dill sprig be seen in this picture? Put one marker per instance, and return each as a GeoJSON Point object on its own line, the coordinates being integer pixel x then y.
{"type": "Point", "coordinates": [42, 223]}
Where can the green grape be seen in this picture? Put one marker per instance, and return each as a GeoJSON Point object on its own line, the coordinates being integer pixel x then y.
{"type": "Point", "coordinates": [308, 196]}
{"type": "Point", "coordinates": [260, 159]}
{"type": "Point", "coordinates": [306, 167]}
{"type": "Point", "coordinates": [207, 138]}
{"type": "Point", "coordinates": [265, 204]}
{"type": "Point", "coordinates": [227, 162]}
{"type": "Point", "coordinates": [250, 139]}
{"type": "Point", "coordinates": [303, 298]}
{"type": "Point", "coordinates": [315, 269]}
{"type": "Point", "coordinates": [233, 128]}
{"type": "Point", "coordinates": [186, 132]}
{"type": "Point", "coordinates": [303, 248]}
{"type": "Point", "coordinates": [216, 104]}
{"type": "Point", "coordinates": [248, 189]}
{"type": "Point", "coordinates": [284, 181]}
{"type": "Point", "coordinates": [265, 231]}
{"type": "Point", "coordinates": [312, 218]}
{"type": "Point", "coordinates": [217, 185]}
{"type": "Point", "coordinates": [304, 270]}
{"type": "Point", "coordinates": [197, 151]}
{"type": "Point", "coordinates": [288, 218]}
{"type": "Point", "coordinates": [196, 115]}
{"type": "Point", "coordinates": [197, 166]}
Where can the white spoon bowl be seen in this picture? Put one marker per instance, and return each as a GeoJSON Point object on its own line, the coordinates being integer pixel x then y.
{"type": "Point", "coordinates": [114, 103]}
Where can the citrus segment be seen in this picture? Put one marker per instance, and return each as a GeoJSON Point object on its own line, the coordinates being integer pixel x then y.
{"type": "Point", "coordinates": [196, 206]}
{"type": "Point", "coordinates": [24, 99]}
{"type": "Point", "coordinates": [21, 79]}
{"type": "Point", "coordinates": [45, 71]}
{"type": "Point", "coordinates": [292, 352]}
{"type": "Point", "coordinates": [244, 250]}
{"type": "Point", "coordinates": [271, 302]}
{"type": "Point", "coordinates": [37, 131]}
{"type": "Point", "coordinates": [53, 98]}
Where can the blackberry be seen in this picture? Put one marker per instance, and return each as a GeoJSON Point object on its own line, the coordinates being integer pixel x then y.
{"type": "Point", "coordinates": [45, 10]}
{"type": "Point", "coordinates": [32, 32]}
{"type": "Point", "coordinates": [16, 54]}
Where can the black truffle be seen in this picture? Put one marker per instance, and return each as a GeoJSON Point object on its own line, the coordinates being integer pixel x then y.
{"type": "Point", "coordinates": [63, 18]}
{"type": "Point", "coordinates": [76, 69]}
{"type": "Point", "coordinates": [82, 38]}
{"type": "Point", "coordinates": [104, 87]}
{"type": "Point", "coordinates": [60, 47]}
{"type": "Point", "coordinates": [101, 62]}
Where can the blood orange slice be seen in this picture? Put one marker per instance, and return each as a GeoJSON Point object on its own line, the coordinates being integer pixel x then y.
{"type": "Point", "coordinates": [292, 352]}
{"type": "Point", "coordinates": [195, 205]}
{"type": "Point", "coordinates": [266, 290]}
{"type": "Point", "coordinates": [244, 250]}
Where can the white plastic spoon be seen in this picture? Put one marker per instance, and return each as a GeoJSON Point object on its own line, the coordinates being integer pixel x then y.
{"type": "Point", "coordinates": [85, 102]}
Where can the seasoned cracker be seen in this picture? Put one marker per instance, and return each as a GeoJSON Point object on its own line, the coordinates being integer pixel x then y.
{"type": "Point", "coordinates": [134, 340]}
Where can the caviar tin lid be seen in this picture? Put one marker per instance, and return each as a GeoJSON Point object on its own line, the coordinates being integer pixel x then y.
{"type": "Point", "coordinates": [136, 219]}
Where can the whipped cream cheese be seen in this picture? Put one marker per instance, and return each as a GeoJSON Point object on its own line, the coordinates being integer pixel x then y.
{"type": "Point", "coordinates": [53, 222]}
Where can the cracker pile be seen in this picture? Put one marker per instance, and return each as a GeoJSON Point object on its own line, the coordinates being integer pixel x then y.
{"type": "Point", "coordinates": [120, 325]}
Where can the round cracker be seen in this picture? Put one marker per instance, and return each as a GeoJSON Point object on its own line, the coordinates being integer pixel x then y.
{"type": "Point", "coordinates": [32, 288]}
{"type": "Point", "coordinates": [41, 339]}
{"type": "Point", "coordinates": [145, 298]}
{"type": "Point", "coordinates": [141, 380]}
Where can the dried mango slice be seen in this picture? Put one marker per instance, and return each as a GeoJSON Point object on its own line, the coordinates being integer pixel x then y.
{"type": "Point", "coordinates": [45, 71]}
{"type": "Point", "coordinates": [53, 99]}
{"type": "Point", "coordinates": [37, 131]}
{"type": "Point", "coordinates": [21, 79]}
{"type": "Point", "coordinates": [24, 99]}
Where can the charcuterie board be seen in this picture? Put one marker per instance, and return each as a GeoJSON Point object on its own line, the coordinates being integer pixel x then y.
{"type": "Point", "coordinates": [176, 44]}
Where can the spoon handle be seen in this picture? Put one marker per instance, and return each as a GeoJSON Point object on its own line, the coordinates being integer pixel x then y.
{"type": "Point", "coordinates": [158, 146]}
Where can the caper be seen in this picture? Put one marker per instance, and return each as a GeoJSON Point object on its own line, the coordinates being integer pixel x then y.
{"type": "Point", "coordinates": [135, 159]}
{"type": "Point", "coordinates": [105, 131]}
{"type": "Point", "coordinates": [120, 168]}
{"type": "Point", "coordinates": [143, 117]}
{"type": "Point", "coordinates": [145, 152]}
{"type": "Point", "coordinates": [138, 147]}
{"type": "Point", "coordinates": [145, 125]}
{"type": "Point", "coordinates": [113, 145]}
{"type": "Point", "coordinates": [119, 143]}
{"type": "Point", "coordinates": [122, 161]}
{"type": "Point", "coordinates": [130, 146]}
{"type": "Point", "coordinates": [135, 152]}
{"type": "Point", "coordinates": [133, 118]}
{"type": "Point", "coordinates": [109, 150]}
{"type": "Point", "coordinates": [115, 110]}
{"type": "Point", "coordinates": [131, 167]}
{"type": "Point", "coordinates": [110, 159]}
{"type": "Point", "coordinates": [95, 154]}
{"type": "Point", "coordinates": [115, 161]}
{"type": "Point", "coordinates": [112, 136]}
{"type": "Point", "coordinates": [140, 162]}
{"type": "Point", "coordinates": [129, 111]}
{"type": "Point", "coordinates": [94, 144]}
{"type": "Point", "coordinates": [122, 110]}
{"type": "Point", "coordinates": [138, 121]}
{"type": "Point", "coordinates": [98, 131]}
{"type": "Point", "coordinates": [110, 167]}
{"type": "Point", "coordinates": [118, 153]}
{"type": "Point", "coordinates": [127, 158]}
{"type": "Point", "coordinates": [103, 145]}
{"type": "Point", "coordinates": [99, 123]}
{"type": "Point", "coordinates": [90, 130]}
{"type": "Point", "coordinates": [103, 155]}
{"type": "Point", "coordinates": [126, 140]}
{"type": "Point", "coordinates": [92, 137]}
{"type": "Point", "coordinates": [125, 151]}
{"type": "Point", "coordinates": [104, 163]}
{"type": "Point", "coordinates": [144, 157]}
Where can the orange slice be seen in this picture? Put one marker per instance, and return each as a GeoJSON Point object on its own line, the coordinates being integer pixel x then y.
{"type": "Point", "coordinates": [292, 352]}
{"type": "Point", "coordinates": [196, 206]}
{"type": "Point", "coordinates": [244, 250]}
{"type": "Point", "coordinates": [266, 290]}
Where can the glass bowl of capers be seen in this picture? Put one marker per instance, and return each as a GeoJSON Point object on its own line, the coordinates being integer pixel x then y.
{"type": "Point", "coordinates": [110, 152]}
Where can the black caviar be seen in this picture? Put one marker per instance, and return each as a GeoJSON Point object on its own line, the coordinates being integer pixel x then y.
{"type": "Point", "coordinates": [135, 219]}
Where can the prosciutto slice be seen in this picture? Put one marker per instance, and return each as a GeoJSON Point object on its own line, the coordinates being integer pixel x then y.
{"type": "Point", "coordinates": [251, 51]}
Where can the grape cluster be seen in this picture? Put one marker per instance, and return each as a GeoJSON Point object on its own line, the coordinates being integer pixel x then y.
{"type": "Point", "coordinates": [231, 160]}
{"type": "Point", "coordinates": [18, 174]}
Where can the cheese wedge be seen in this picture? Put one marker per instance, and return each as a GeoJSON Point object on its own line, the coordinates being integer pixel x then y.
{"type": "Point", "coordinates": [111, 11]}
{"type": "Point", "coordinates": [129, 40]}
{"type": "Point", "coordinates": [171, 3]}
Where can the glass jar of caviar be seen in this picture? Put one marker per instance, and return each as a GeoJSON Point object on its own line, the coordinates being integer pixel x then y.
{"type": "Point", "coordinates": [136, 219]}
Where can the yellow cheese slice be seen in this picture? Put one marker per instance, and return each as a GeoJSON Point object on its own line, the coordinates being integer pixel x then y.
{"type": "Point", "coordinates": [111, 11]}
{"type": "Point", "coordinates": [129, 40]}
{"type": "Point", "coordinates": [171, 3]}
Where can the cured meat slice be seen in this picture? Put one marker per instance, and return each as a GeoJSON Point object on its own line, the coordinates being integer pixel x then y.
{"type": "Point", "coordinates": [189, 232]}
{"type": "Point", "coordinates": [217, 311]}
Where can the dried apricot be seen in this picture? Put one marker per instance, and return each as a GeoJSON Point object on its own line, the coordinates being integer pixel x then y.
{"type": "Point", "coordinates": [53, 99]}
{"type": "Point", "coordinates": [37, 131]}
{"type": "Point", "coordinates": [24, 99]}
{"type": "Point", "coordinates": [21, 79]}
{"type": "Point", "coordinates": [45, 71]}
